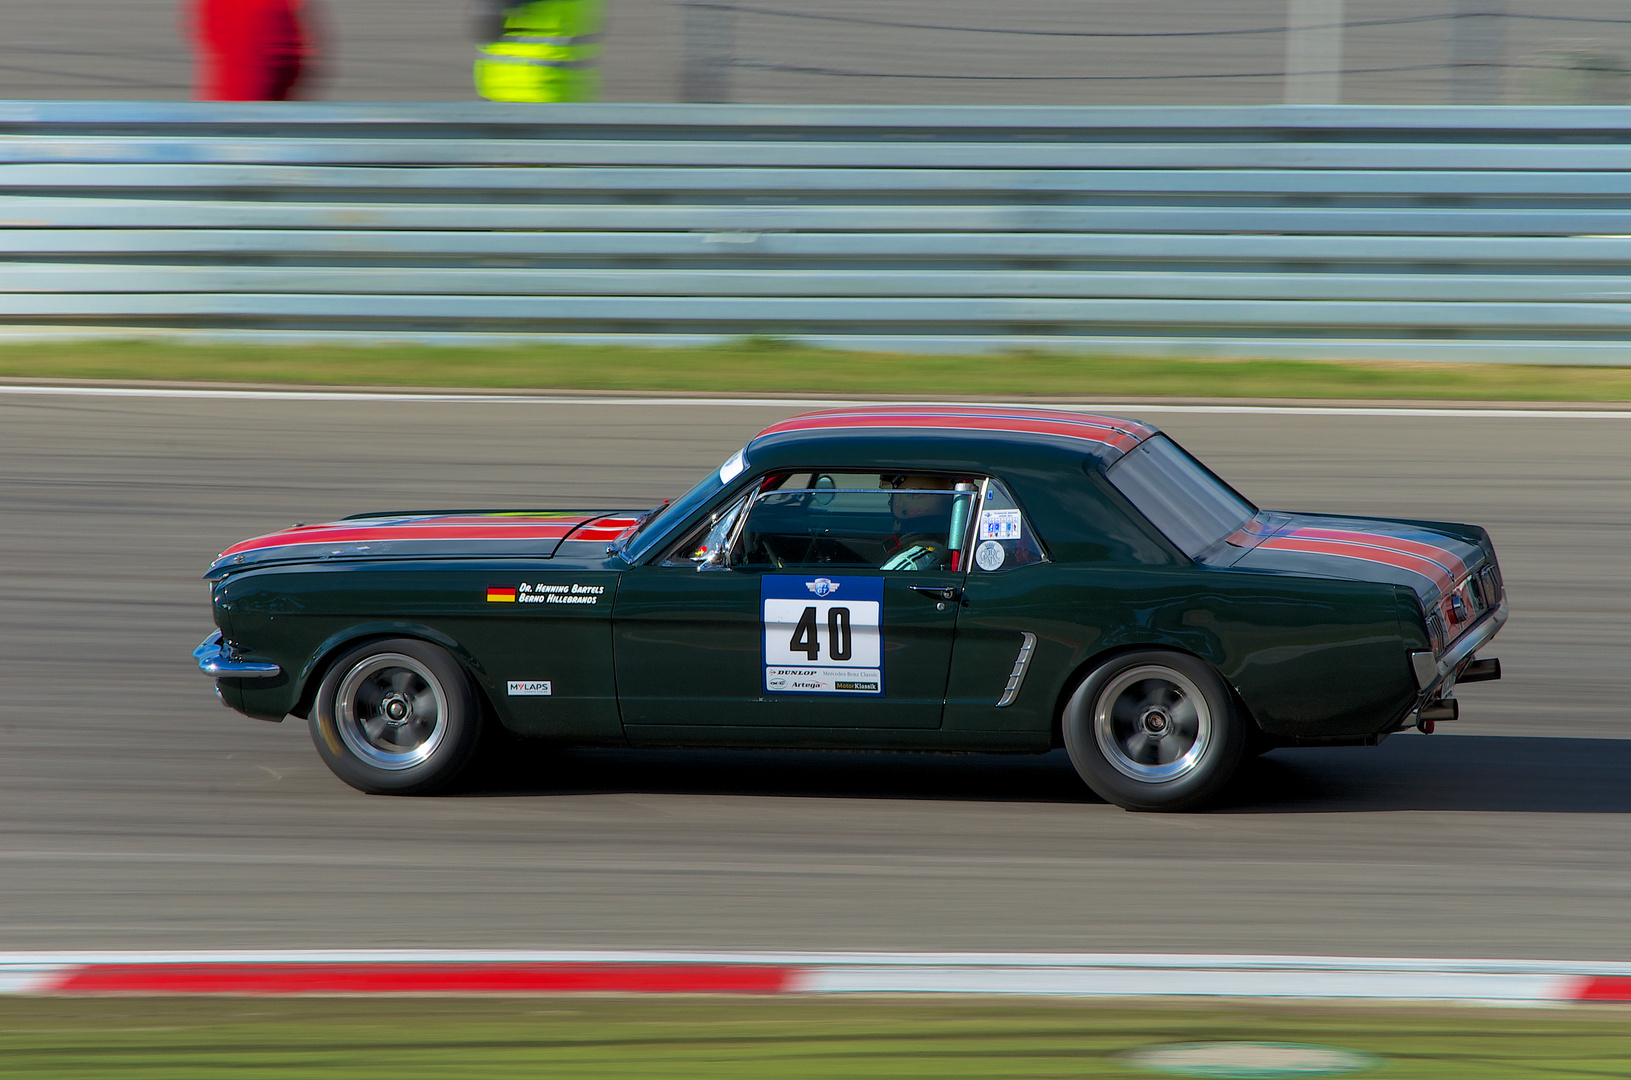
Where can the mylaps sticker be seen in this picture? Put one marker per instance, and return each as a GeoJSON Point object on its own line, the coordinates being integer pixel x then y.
{"type": "Point", "coordinates": [501, 594]}
{"type": "Point", "coordinates": [1000, 524]}
{"type": "Point", "coordinates": [530, 689]}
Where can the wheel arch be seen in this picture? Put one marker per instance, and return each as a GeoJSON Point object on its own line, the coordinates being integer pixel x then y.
{"type": "Point", "coordinates": [338, 644]}
{"type": "Point", "coordinates": [1085, 669]}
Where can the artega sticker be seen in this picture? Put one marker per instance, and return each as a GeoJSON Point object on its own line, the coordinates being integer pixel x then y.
{"type": "Point", "coordinates": [501, 594]}
{"type": "Point", "coordinates": [530, 689]}
{"type": "Point", "coordinates": [822, 634]}
{"type": "Point", "coordinates": [989, 555]}
{"type": "Point", "coordinates": [1000, 524]}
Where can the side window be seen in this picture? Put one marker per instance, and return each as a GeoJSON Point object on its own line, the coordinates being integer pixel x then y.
{"type": "Point", "coordinates": [1003, 538]}
{"type": "Point", "coordinates": [878, 521]}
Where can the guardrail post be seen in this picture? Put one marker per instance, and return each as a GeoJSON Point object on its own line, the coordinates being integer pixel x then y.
{"type": "Point", "coordinates": [1477, 51]}
{"type": "Point", "coordinates": [1313, 52]}
{"type": "Point", "coordinates": [710, 51]}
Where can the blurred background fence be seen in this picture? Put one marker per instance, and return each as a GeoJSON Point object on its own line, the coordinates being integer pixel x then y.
{"type": "Point", "coordinates": [1019, 52]}
{"type": "Point", "coordinates": [1466, 233]}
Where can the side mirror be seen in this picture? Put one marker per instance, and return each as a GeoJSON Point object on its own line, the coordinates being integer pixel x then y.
{"type": "Point", "coordinates": [717, 559]}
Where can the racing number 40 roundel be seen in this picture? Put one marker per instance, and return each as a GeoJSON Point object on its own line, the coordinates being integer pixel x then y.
{"type": "Point", "coordinates": [821, 634]}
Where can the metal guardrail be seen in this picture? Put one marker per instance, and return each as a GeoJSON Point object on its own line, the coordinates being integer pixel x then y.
{"type": "Point", "coordinates": [1427, 233]}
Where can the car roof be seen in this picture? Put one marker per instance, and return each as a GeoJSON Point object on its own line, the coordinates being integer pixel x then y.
{"type": "Point", "coordinates": [1104, 436]}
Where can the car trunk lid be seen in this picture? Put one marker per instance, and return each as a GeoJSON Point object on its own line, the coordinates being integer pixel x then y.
{"type": "Point", "coordinates": [1451, 568]}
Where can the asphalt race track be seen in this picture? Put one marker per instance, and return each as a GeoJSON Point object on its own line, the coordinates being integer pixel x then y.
{"type": "Point", "coordinates": [136, 813]}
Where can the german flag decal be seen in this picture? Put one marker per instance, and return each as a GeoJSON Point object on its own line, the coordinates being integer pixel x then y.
{"type": "Point", "coordinates": [501, 594]}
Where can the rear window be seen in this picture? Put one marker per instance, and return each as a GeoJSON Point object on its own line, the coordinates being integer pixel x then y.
{"type": "Point", "coordinates": [1191, 507]}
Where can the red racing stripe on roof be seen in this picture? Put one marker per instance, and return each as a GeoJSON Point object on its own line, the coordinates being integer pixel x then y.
{"type": "Point", "coordinates": [1106, 436]}
{"type": "Point", "coordinates": [1445, 558]}
{"type": "Point", "coordinates": [1143, 431]}
{"type": "Point", "coordinates": [1427, 568]}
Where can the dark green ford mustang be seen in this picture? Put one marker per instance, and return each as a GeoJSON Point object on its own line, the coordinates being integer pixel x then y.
{"type": "Point", "coordinates": [927, 578]}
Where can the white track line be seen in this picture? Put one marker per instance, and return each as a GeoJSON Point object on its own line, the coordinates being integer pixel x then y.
{"type": "Point", "coordinates": [183, 393]}
{"type": "Point", "coordinates": [868, 960]}
{"type": "Point", "coordinates": [1504, 982]}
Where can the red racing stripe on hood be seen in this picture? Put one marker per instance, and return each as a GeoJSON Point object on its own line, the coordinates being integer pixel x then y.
{"type": "Point", "coordinates": [1447, 559]}
{"type": "Point", "coordinates": [461, 528]}
{"type": "Point", "coordinates": [603, 528]}
{"type": "Point", "coordinates": [1427, 568]}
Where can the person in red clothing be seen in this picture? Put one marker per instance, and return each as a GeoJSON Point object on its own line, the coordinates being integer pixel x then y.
{"type": "Point", "coordinates": [250, 50]}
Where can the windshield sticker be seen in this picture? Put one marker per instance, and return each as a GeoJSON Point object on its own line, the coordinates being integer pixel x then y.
{"type": "Point", "coordinates": [530, 689]}
{"type": "Point", "coordinates": [989, 555]}
{"type": "Point", "coordinates": [822, 634]}
{"type": "Point", "coordinates": [501, 594]}
{"type": "Point", "coordinates": [1000, 525]}
{"type": "Point", "coordinates": [733, 466]}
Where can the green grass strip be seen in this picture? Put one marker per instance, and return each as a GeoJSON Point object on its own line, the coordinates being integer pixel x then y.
{"type": "Point", "coordinates": [415, 1038]}
{"type": "Point", "coordinates": [775, 367]}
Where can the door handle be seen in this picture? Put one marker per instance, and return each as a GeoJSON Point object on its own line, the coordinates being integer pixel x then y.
{"type": "Point", "coordinates": [939, 592]}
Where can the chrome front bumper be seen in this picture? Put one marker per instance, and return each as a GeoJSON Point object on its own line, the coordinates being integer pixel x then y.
{"type": "Point", "coordinates": [217, 663]}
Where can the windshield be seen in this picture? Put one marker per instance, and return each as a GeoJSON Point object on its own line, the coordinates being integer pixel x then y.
{"type": "Point", "coordinates": [663, 518]}
{"type": "Point", "coordinates": [1191, 507]}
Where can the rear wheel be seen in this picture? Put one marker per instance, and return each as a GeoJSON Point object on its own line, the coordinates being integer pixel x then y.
{"type": "Point", "coordinates": [396, 717]}
{"type": "Point", "coordinates": [1154, 731]}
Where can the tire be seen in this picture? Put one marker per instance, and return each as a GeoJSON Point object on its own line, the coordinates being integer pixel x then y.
{"type": "Point", "coordinates": [396, 717]}
{"type": "Point", "coordinates": [1154, 731]}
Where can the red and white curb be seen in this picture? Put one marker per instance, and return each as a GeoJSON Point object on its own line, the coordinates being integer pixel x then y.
{"type": "Point", "coordinates": [1518, 982]}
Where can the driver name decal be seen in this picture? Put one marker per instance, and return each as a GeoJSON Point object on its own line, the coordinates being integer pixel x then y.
{"type": "Point", "coordinates": [541, 593]}
{"type": "Point", "coordinates": [821, 634]}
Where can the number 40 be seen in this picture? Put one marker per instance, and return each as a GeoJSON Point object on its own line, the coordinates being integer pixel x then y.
{"type": "Point", "coordinates": [806, 635]}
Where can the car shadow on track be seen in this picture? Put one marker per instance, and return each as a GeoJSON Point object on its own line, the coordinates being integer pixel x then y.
{"type": "Point", "coordinates": [1513, 774]}
{"type": "Point", "coordinates": [793, 773]}
{"type": "Point", "coordinates": [1465, 773]}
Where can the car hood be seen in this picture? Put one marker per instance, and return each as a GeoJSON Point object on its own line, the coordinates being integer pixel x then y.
{"type": "Point", "coordinates": [532, 534]}
{"type": "Point", "coordinates": [1451, 568]}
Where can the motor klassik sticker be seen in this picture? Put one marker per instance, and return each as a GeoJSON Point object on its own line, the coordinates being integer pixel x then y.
{"type": "Point", "coordinates": [822, 634]}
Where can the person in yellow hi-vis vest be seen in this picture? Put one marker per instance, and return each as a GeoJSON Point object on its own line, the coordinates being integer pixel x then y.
{"type": "Point", "coordinates": [540, 50]}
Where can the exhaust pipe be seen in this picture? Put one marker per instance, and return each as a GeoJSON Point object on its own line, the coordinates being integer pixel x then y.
{"type": "Point", "coordinates": [1480, 671]}
{"type": "Point", "coordinates": [1433, 713]}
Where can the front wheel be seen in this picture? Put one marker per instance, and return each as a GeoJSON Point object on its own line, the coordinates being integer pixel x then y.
{"type": "Point", "coordinates": [1154, 731]}
{"type": "Point", "coordinates": [397, 716]}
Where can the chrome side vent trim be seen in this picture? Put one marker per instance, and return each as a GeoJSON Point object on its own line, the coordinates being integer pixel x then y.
{"type": "Point", "coordinates": [1026, 646]}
